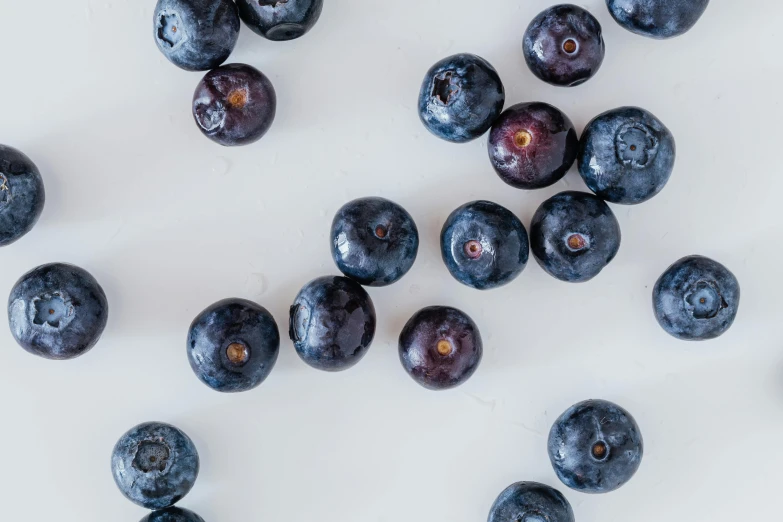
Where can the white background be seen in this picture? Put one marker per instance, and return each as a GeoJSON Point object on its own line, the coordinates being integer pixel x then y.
{"type": "Point", "coordinates": [169, 222]}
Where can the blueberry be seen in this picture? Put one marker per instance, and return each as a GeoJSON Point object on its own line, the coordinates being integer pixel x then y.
{"type": "Point", "coordinates": [574, 235]}
{"type": "Point", "coordinates": [234, 104]}
{"type": "Point", "coordinates": [563, 45]}
{"type": "Point", "coordinates": [595, 447]}
{"type": "Point", "coordinates": [626, 155]}
{"type": "Point", "coordinates": [532, 145]}
{"type": "Point", "coordinates": [696, 299]}
{"type": "Point", "coordinates": [22, 195]}
{"type": "Point", "coordinates": [154, 465]}
{"type": "Point", "coordinates": [657, 18]}
{"type": "Point", "coordinates": [280, 19]}
{"type": "Point", "coordinates": [460, 98]}
{"type": "Point", "coordinates": [332, 323]}
{"type": "Point", "coordinates": [196, 35]}
{"type": "Point", "coordinates": [484, 245]}
{"type": "Point", "coordinates": [374, 241]}
{"type": "Point", "coordinates": [440, 347]}
{"type": "Point", "coordinates": [57, 311]}
{"type": "Point", "coordinates": [530, 502]}
{"type": "Point", "coordinates": [172, 514]}
{"type": "Point", "coordinates": [233, 345]}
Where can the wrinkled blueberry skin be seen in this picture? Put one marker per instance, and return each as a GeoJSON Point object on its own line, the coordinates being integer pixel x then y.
{"type": "Point", "coordinates": [460, 97]}
{"type": "Point", "coordinates": [657, 18]}
{"type": "Point", "coordinates": [572, 447]}
{"type": "Point", "coordinates": [22, 195]}
{"type": "Point", "coordinates": [626, 155]}
{"type": "Point", "coordinates": [484, 245]}
{"type": "Point", "coordinates": [579, 217]}
{"type": "Point", "coordinates": [530, 502]}
{"type": "Point", "coordinates": [280, 19]}
{"type": "Point", "coordinates": [532, 145]}
{"type": "Point", "coordinates": [57, 311]}
{"type": "Point", "coordinates": [374, 241]}
{"type": "Point", "coordinates": [172, 514]}
{"type": "Point", "coordinates": [234, 105]}
{"type": "Point", "coordinates": [546, 41]}
{"type": "Point", "coordinates": [419, 343]}
{"type": "Point", "coordinates": [225, 327]}
{"type": "Point", "coordinates": [696, 299]}
{"type": "Point", "coordinates": [332, 323]}
{"type": "Point", "coordinates": [196, 35]}
{"type": "Point", "coordinates": [154, 465]}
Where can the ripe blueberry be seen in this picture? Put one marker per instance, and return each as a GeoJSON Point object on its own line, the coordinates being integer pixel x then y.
{"type": "Point", "coordinates": [172, 514]}
{"type": "Point", "coordinates": [657, 18]}
{"type": "Point", "coordinates": [22, 195]}
{"type": "Point", "coordinates": [280, 19]}
{"type": "Point", "coordinates": [530, 502]}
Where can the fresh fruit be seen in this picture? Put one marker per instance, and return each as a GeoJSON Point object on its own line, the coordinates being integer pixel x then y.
{"type": "Point", "coordinates": [172, 514]}
{"type": "Point", "coordinates": [440, 347]}
{"type": "Point", "coordinates": [530, 502]}
{"type": "Point", "coordinates": [696, 299]}
{"type": "Point", "coordinates": [563, 45]}
{"type": "Point", "coordinates": [460, 98]}
{"type": "Point", "coordinates": [332, 323]}
{"type": "Point", "coordinates": [657, 18]}
{"type": "Point", "coordinates": [574, 235]}
{"type": "Point", "coordinates": [57, 311]}
{"type": "Point", "coordinates": [626, 155]}
{"type": "Point", "coordinates": [595, 447]}
{"type": "Point", "coordinates": [532, 145]}
{"type": "Point", "coordinates": [233, 345]}
{"type": "Point", "coordinates": [234, 104]}
{"type": "Point", "coordinates": [280, 19]}
{"type": "Point", "coordinates": [154, 465]}
{"type": "Point", "coordinates": [484, 245]}
{"type": "Point", "coordinates": [374, 241]}
{"type": "Point", "coordinates": [22, 195]}
{"type": "Point", "coordinates": [196, 35]}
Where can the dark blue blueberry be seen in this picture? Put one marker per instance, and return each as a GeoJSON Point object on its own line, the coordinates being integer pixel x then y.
{"type": "Point", "coordinates": [460, 98]}
{"type": "Point", "coordinates": [440, 347]}
{"type": "Point", "coordinates": [563, 45]}
{"type": "Point", "coordinates": [332, 323]}
{"type": "Point", "coordinates": [657, 18]}
{"type": "Point", "coordinates": [196, 35]}
{"type": "Point", "coordinates": [374, 241]}
{"type": "Point", "coordinates": [57, 311]}
{"type": "Point", "coordinates": [154, 465]}
{"type": "Point", "coordinates": [595, 447]}
{"type": "Point", "coordinates": [172, 514]}
{"type": "Point", "coordinates": [574, 235]}
{"type": "Point", "coordinates": [696, 299]}
{"type": "Point", "coordinates": [484, 245]}
{"type": "Point", "coordinates": [532, 145]}
{"type": "Point", "coordinates": [530, 502]}
{"type": "Point", "coordinates": [280, 19]}
{"type": "Point", "coordinates": [22, 195]}
{"type": "Point", "coordinates": [233, 345]}
{"type": "Point", "coordinates": [234, 104]}
{"type": "Point", "coordinates": [626, 155]}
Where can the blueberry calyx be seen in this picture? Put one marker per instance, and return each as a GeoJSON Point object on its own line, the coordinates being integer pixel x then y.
{"type": "Point", "coordinates": [169, 31]}
{"type": "Point", "coordinates": [151, 456]}
{"type": "Point", "coordinates": [5, 191]}
{"type": "Point", "coordinates": [443, 88]}
{"type": "Point", "coordinates": [636, 145]}
{"type": "Point", "coordinates": [705, 300]}
{"type": "Point", "coordinates": [52, 310]}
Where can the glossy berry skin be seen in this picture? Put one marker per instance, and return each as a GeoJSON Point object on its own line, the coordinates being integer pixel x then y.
{"type": "Point", "coordinates": [440, 347]}
{"type": "Point", "coordinates": [460, 97]}
{"type": "Point", "coordinates": [57, 311]}
{"type": "Point", "coordinates": [626, 155]}
{"type": "Point", "coordinates": [595, 447]}
{"type": "Point", "coordinates": [530, 502]}
{"type": "Point", "coordinates": [172, 514]}
{"type": "Point", "coordinates": [374, 241]}
{"type": "Point", "coordinates": [574, 235]}
{"type": "Point", "coordinates": [332, 323]}
{"type": "Point", "coordinates": [154, 465]}
{"type": "Point", "coordinates": [658, 19]}
{"type": "Point", "coordinates": [22, 195]}
{"type": "Point", "coordinates": [484, 245]}
{"type": "Point", "coordinates": [696, 299]}
{"type": "Point", "coordinates": [280, 19]}
{"type": "Point", "coordinates": [563, 45]}
{"type": "Point", "coordinates": [234, 105]}
{"type": "Point", "coordinates": [532, 145]}
{"type": "Point", "coordinates": [233, 345]}
{"type": "Point", "coordinates": [196, 35]}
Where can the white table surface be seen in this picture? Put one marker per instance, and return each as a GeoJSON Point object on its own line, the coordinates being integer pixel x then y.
{"type": "Point", "coordinates": [169, 222]}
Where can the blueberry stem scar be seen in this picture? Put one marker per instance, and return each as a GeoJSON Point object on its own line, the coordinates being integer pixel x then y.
{"type": "Point", "coordinates": [237, 353]}
{"type": "Point", "coordinates": [569, 46]}
{"type": "Point", "coordinates": [522, 139]}
{"type": "Point", "coordinates": [473, 249]}
{"type": "Point", "coordinates": [237, 98]}
{"type": "Point", "coordinates": [380, 231]}
{"type": "Point", "coordinates": [576, 242]}
{"type": "Point", "coordinates": [444, 347]}
{"type": "Point", "coordinates": [599, 450]}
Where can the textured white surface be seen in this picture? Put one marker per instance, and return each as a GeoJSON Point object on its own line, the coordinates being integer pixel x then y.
{"type": "Point", "coordinates": [169, 223]}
